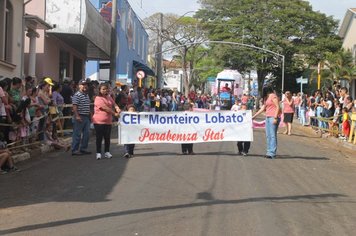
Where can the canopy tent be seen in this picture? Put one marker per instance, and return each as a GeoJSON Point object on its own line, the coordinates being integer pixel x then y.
{"type": "Point", "coordinates": [230, 76]}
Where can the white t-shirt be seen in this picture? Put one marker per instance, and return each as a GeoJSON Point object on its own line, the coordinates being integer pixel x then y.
{"type": "Point", "coordinates": [235, 107]}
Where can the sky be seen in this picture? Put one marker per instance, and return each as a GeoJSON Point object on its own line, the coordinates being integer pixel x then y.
{"type": "Point", "coordinates": [146, 8]}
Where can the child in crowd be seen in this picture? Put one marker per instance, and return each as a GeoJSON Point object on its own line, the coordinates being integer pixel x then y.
{"type": "Point", "coordinates": [187, 148]}
{"type": "Point", "coordinates": [345, 123]}
{"type": "Point", "coordinates": [243, 146]}
{"type": "Point", "coordinates": [23, 112]}
{"type": "Point", "coordinates": [6, 161]}
{"type": "Point", "coordinates": [129, 148]}
{"type": "Point", "coordinates": [236, 106]}
{"type": "Point", "coordinates": [35, 123]}
{"type": "Point", "coordinates": [52, 138]}
{"type": "Point", "coordinates": [336, 120]}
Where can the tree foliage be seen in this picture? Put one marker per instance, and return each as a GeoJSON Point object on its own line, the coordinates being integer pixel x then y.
{"type": "Point", "coordinates": [341, 65]}
{"type": "Point", "coordinates": [183, 35]}
{"type": "Point", "coordinates": [287, 27]}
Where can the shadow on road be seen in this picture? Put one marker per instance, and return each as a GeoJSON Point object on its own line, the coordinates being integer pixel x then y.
{"type": "Point", "coordinates": [313, 198]}
{"type": "Point", "coordinates": [60, 177]}
{"type": "Point", "coordinates": [286, 157]}
{"type": "Point", "coordinates": [304, 158]}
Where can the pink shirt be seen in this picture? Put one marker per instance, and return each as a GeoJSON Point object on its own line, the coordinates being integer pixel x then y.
{"type": "Point", "coordinates": [270, 107]}
{"type": "Point", "coordinates": [244, 99]}
{"type": "Point", "coordinates": [286, 107]}
{"type": "Point", "coordinates": [100, 116]}
{"type": "Point", "coordinates": [297, 100]}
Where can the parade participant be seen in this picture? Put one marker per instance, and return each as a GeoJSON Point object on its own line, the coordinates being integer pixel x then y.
{"type": "Point", "coordinates": [129, 148]}
{"type": "Point", "coordinates": [81, 120]}
{"type": "Point", "coordinates": [187, 148]}
{"type": "Point", "coordinates": [288, 112]}
{"type": "Point", "coordinates": [272, 113]}
{"type": "Point", "coordinates": [226, 88]}
{"type": "Point", "coordinates": [243, 146]}
{"type": "Point", "coordinates": [102, 119]}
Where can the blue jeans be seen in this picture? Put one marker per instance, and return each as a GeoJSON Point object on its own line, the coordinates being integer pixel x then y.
{"type": "Point", "coordinates": [79, 129]}
{"type": "Point", "coordinates": [271, 136]}
{"type": "Point", "coordinates": [319, 110]}
{"type": "Point", "coordinates": [174, 106]}
{"type": "Point", "coordinates": [302, 112]}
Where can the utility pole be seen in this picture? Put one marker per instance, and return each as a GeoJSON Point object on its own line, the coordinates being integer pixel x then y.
{"type": "Point", "coordinates": [319, 74]}
{"type": "Point", "coordinates": [159, 52]}
{"type": "Point", "coordinates": [112, 77]}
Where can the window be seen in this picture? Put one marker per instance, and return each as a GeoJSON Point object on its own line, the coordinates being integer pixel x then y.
{"type": "Point", "coordinates": [6, 30]}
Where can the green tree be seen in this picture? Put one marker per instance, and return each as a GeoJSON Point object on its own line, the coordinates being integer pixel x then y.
{"type": "Point", "coordinates": [287, 27]}
{"type": "Point", "coordinates": [183, 34]}
{"type": "Point", "coordinates": [341, 65]}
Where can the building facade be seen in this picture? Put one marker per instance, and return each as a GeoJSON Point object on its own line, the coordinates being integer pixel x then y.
{"type": "Point", "coordinates": [11, 38]}
{"type": "Point", "coordinates": [61, 36]}
{"type": "Point", "coordinates": [132, 46]}
{"type": "Point", "coordinates": [348, 33]}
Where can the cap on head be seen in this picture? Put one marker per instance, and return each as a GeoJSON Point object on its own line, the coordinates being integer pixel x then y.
{"type": "Point", "coordinates": [48, 81]}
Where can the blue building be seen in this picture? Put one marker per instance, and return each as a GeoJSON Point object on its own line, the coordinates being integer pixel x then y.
{"type": "Point", "coordinates": [132, 46]}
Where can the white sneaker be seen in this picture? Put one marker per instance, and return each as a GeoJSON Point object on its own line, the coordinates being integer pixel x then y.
{"type": "Point", "coordinates": [108, 155]}
{"type": "Point", "coordinates": [98, 156]}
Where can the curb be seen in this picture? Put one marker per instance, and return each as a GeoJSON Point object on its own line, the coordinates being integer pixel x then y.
{"type": "Point", "coordinates": [334, 140]}
{"type": "Point", "coordinates": [27, 155]}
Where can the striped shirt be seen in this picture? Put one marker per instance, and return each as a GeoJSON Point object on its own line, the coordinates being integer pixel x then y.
{"type": "Point", "coordinates": [82, 101]}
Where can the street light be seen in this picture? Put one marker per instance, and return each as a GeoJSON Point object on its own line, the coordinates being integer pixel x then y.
{"type": "Point", "coordinates": [160, 44]}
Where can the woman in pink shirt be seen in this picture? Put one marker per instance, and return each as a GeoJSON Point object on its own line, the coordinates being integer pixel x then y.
{"type": "Point", "coordinates": [102, 119]}
{"type": "Point", "coordinates": [288, 112]}
{"type": "Point", "coordinates": [272, 111]}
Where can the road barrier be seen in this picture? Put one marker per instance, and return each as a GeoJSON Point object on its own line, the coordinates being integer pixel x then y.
{"type": "Point", "coordinates": [353, 126]}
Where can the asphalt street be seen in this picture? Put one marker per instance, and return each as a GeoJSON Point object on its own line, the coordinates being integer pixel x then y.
{"type": "Point", "coordinates": [310, 189]}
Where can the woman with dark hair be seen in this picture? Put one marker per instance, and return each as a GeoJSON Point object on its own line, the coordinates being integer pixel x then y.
{"type": "Point", "coordinates": [288, 112]}
{"type": "Point", "coordinates": [58, 102]}
{"type": "Point", "coordinates": [272, 112]}
{"type": "Point", "coordinates": [44, 100]}
{"type": "Point", "coordinates": [102, 119]}
{"type": "Point", "coordinates": [4, 110]}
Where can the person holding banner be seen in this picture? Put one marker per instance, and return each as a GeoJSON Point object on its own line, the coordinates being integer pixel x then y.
{"type": "Point", "coordinates": [102, 119]}
{"type": "Point", "coordinates": [243, 146]}
{"type": "Point", "coordinates": [272, 113]}
{"type": "Point", "coordinates": [129, 148]}
{"type": "Point", "coordinates": [187, 148]}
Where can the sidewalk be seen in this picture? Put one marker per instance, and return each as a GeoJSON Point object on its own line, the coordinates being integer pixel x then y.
{"type": "Point", "coordinates": [44, 148]}
{"type": "Point", "coordinates": [296, 125]}
{"type": "Point", "coordinates": [346, 144]}
{"type": "Point", "coordinates": [36, 151]}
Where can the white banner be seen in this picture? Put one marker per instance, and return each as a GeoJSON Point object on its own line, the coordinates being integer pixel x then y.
{"type": "Point", "coordinates": [185, 127]}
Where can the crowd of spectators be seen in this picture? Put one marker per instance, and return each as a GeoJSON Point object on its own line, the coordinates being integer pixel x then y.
{"type": "Point", "coordinates": [32, 112]}
{"type": "Point", "coordinates": [327, 111]}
